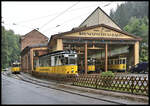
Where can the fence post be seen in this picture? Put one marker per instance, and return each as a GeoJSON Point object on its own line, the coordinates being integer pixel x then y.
{"type": "Point", "coordinates": [132, 84]}
{"type": "Point", "coordinates": [96, 77]}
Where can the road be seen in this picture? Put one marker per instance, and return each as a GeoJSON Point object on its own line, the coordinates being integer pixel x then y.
{"type": "Point", "coordinates": [15, 91]}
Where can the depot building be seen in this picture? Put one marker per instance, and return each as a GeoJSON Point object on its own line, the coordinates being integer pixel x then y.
{"type": "Point", "coordinates": [98, 37]}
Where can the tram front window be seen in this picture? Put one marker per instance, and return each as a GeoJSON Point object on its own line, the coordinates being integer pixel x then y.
{"type": "Point", "coordinates": [65, 61]}
{"type": "Point", "coordinates": [15, 65]}
{"type": "Point", "coordinates": [90, 63]}
{"type": "Point", "coordinates": [72, 61]}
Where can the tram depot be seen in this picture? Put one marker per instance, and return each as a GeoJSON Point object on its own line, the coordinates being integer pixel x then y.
{"type": "Point", "coordinates": [98, 38]}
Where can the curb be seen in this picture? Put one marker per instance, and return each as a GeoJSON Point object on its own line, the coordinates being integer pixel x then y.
{"type": "Point", "coordinates": [138, 98]}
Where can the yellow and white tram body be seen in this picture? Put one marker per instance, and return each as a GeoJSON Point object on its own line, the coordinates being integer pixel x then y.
{"type": "Point", "coordinates": [91, 65]}
{"type": "Point", "coordinates": [115, 64]}
{"type": "Point", "coordinates": [15, 67]}
{"type": "Point", "coordinates": [59, 62]}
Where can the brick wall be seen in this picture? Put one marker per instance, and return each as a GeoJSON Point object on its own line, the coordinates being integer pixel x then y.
{"type": "Point", "coordinates": [33, 37]}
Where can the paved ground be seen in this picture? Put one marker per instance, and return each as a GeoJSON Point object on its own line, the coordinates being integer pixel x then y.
{"type": "Point", "coordinates": [33, 94]}
{"type": "Point", "coordinates": [18, 92]}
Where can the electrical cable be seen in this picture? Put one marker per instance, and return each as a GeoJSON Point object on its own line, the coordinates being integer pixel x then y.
{"type": "Point", "coordinates": [73, 18]}
{"type": "Point", "coordinates": [38, 18]}
{"type": "Point", "coordinates": [67, 21]}
{"type": "Point", "coordinates": [59, 15]}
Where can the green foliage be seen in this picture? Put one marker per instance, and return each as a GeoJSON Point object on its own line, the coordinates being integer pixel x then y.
{"type": "Point", "coordinates": [108, 73]}
{"type": "Point", "coordinates": [10, 47]}
{"type": "Point", "coordinates": [139, 27]}
{"type": "Point", "coordinates": [125, 11]}
{"type": "Point", "coordinates": [133, 17]}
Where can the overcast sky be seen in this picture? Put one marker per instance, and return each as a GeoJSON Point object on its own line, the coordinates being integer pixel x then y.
{"type": "Point", "coordinates": [50, 17]}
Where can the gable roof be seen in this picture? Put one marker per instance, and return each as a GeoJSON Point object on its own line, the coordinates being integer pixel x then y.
{"type": "Point", "coordinates": [91, 27]}
{"type": "Point", "coordinates": [61, 35]}
{"type": "Point", "coordinates": [97, 11]}
{"type": "Point", "coordinates": [34, 30]}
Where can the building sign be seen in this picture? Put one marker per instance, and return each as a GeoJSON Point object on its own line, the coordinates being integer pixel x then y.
{"type": "Point", "coordinates": [104, 34]}
{"type": "Point", "coordinates": [100, 32]}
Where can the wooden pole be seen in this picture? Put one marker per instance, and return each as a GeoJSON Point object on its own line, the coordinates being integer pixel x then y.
{"type": "Point", "coordinates": [106, 58]}
{"type": "Point", "coordinates": [86, 58]}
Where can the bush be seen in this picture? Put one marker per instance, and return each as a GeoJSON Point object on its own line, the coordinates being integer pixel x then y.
{"type": "Point", "coordinates": [105, 80]}
{"type": "Point", "coordinates": [108, 73]}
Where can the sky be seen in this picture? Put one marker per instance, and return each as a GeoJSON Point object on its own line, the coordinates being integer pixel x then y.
{"type": "Point", "coordinates": [49, 17]}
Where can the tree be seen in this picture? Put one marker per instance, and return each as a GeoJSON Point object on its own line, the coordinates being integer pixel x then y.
{"type": "Point", "coordinates": [4, 50]}
{"type": "Point", "coordinates": [139, 27]}
{"type": "Point", "coordinates": [127, 10]}
{"type": "Point", "coordinates": [10, 47]}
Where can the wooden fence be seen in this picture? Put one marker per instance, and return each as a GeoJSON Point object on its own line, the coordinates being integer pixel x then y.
{"type": "Point", "coordinates": [129, 84]}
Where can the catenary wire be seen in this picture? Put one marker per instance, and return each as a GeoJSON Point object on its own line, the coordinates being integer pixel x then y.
{"type": "Point", "coordinates": [58, 15]}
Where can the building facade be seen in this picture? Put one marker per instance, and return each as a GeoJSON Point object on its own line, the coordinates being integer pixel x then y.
{"type": "Point", "coordinates": [33, 44]}
{"type": "Point", "coordinates": [31, 38]}
{"type": "Point", "coordinates": [97, 37]}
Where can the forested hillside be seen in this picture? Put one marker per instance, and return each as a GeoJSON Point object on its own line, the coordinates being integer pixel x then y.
{"type": "Point", "coordinates": [10, 47]}
{"type": "Point", "coordinates": [133, 17]}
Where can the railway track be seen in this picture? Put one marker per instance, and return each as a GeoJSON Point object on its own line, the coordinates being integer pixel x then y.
{"type": "Point", "coordinates": [47, 85]}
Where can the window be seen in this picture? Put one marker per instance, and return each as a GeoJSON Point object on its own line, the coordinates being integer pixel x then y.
{"type": "Point", "coordinates": [100, 62]}
{"type": "Point", "coordinates": [117, 61]}
{"type": "Point", "coordinates": [72, 61]}
{"type": "Point", "coordinates": [16, 65]}
{"type": "Point", "coordinates": [49, 60]}
{"type": "Point", "coordinates": [66, 60]}
{"type": "Point", "coordinates": [124, 61]}
{"type": "Point", "coordinates": [120, 61]}
{"type": "Point", "coordinates": [114, 61]}
{"type": "Point", "coordinates": [111, 61]}
{"type": "Point", "coordinates": [55, 60]}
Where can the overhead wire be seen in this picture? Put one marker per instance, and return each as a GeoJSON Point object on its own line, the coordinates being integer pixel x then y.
{"type": "Point", "coordinates": [67, 21]}
{"type": "Point", "coordinates": [58, 15]}
{"type": "Point", "coordinates": [37, 18]}
{"type": "Point", "coordinates": [14, 24]}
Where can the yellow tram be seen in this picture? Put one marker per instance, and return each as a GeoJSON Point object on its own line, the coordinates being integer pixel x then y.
{"type": "Point", "coordinates": [116, 64]}
{"type": "Point", "coordinates": [59, 62]}
{"type": "Point", "coordinates": [91, 65]}
{"type": "Point", "coordinates": [15, 68]}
